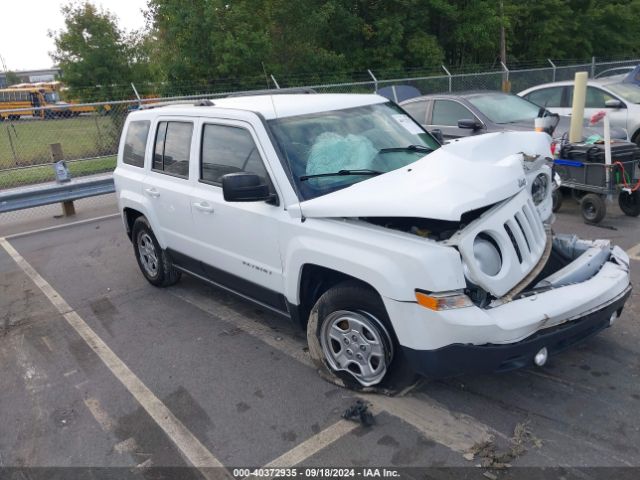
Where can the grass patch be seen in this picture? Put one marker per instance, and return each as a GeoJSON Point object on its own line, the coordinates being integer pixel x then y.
{"type": "Point", "coordinates": [45, 173]}
{"type": "Point", "coordinates": [26, 142]}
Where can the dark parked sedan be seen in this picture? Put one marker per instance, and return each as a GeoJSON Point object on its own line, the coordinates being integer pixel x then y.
{"type": "Point", "coordinates": [472, 113]}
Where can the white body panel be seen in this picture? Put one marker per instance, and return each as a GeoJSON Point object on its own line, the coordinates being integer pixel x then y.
{"type": "Point", "coordinates": [238, 238]}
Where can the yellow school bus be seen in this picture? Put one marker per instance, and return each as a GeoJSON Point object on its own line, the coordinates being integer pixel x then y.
{"type": "Point", "coordinates": [15, 98]}
{"type": "Point", "coordinates": [41, 94]}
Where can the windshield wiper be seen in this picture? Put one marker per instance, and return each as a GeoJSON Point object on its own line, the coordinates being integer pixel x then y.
{"type": "Point", "coordinates": [363, 171]}
{"type": "Point", "coordinates": [408, 148]}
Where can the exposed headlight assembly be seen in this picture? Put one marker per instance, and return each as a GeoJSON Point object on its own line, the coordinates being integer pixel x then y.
{"type": "Point", "coordinates": [540, 188]}
{"type": "Point", "coordinates": [487, 254]}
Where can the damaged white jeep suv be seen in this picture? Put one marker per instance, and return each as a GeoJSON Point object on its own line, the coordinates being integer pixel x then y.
{"type": "Point", "coordinates": [398, 255]}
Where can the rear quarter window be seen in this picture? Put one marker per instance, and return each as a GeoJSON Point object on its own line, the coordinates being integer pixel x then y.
{"type": "Point", "coordinates": [135, 143]}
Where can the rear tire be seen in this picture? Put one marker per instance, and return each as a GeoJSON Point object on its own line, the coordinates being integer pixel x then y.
{"type": "Point", "coordinates": [153, 261]}
{"type": "Point", "coordinates": [593, 208]}
{"type": "Point", "coordinates": [630, 203]}
{"type": "Point", "coordinates": [352, 343]}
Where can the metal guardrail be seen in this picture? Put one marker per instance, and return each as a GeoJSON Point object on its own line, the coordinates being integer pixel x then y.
{"type": "Point", "coordinates": [37, 196]}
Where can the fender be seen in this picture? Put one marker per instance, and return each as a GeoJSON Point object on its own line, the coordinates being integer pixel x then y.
{"type": "Point", "coordinates": [394, 263]}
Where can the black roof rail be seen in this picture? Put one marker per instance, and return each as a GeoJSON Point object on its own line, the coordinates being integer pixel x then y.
{"type": "Point", "coordinates": [275, 91]}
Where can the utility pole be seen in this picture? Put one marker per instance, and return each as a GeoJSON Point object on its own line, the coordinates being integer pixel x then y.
{"type": "Point", "coordinates": [506, 85]}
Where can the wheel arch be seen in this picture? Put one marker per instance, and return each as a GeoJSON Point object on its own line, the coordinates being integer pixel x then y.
{"type": "Point", "coordinates": [129, 215]}
{"type": "Point", "coordinates": [313, 282]}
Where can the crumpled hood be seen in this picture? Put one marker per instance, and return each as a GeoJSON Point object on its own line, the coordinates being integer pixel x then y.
{"type": "Point", "coordinates": [464, 175]}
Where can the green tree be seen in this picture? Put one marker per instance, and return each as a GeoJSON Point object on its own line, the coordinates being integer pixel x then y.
{"type": "Point", "coordinates": [208, 42]}
{"type": "Point", "coordinates": [92, 53]}
{"type": "Point", "coordinates": [209, 45]}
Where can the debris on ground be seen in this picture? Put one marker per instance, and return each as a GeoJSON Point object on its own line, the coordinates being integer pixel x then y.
{"type": "Point", "coordinates": [489, 455]}
{"type": "Point", "coordinates": [359, 412]}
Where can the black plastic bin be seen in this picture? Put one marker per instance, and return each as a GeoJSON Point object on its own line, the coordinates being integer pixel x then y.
{"type": "Point", "coordinates": [581, 163]}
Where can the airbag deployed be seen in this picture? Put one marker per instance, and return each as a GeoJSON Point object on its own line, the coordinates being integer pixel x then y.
{"type": "Point", "coordinates": [332, 152]}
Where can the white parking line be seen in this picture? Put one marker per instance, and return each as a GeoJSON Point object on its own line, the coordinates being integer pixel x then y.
{"type": "Point", "coordinates": [312, 445]}
{"type": "Point", "coordinates": [634, 252]}
{"type": "Point", "coordinates": [100, 415]}
{"type": "Point", "coordinates": [188, 445]}
{"type": "Point", "coordinates": [63, 225]}
{"type": "Point", "coordinates": [457, 431]}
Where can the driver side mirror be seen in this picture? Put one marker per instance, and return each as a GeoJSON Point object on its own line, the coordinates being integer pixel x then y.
{"type": "Point", "coordinates": [245, 187]}
{"type": "Point", "coordinates": [614, 103]}
{"type": "Point", "coordinates": [469, 124]}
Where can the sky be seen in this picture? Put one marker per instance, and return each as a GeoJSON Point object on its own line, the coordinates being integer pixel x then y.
{"type": "Point", "coordinates": [24, 42]}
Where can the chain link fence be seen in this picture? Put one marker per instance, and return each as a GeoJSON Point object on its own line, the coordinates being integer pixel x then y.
{"type": "Point", "coordinates": [88, 134]}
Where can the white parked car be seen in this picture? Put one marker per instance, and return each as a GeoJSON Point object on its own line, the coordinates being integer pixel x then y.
{"type": "Point", "coordinates": [620, 99]}
{"type": "Point", "coordinates": [397, 255]}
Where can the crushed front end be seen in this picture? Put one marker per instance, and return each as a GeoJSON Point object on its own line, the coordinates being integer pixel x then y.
{"type": "Point", "coordinates": [529, 295]}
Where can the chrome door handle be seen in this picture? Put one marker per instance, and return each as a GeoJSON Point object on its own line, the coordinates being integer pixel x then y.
{"type": "Point", "coordinates": [203, 207]}
{"type": "Point", "coordinates": [152, 192]}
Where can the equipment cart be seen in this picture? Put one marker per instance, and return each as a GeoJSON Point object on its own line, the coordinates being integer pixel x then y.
{"type": "Point", "coordinates": [582, 168]}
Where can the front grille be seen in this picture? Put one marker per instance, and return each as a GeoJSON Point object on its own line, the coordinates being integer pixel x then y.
{"type": "Point", "coordinates": [526, 234]}
{"type": "Point", "coordinates": [519, 234]}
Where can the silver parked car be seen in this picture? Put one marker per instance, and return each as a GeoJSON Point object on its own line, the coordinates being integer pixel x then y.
{"type": "Point", "coordinates": [464, 114]}
{"type": "Point", "coordinates": [620, 99]}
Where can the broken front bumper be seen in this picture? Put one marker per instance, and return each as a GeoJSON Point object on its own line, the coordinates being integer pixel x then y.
{"type": "Point", "coordinates": [460, 359]}
{"type": "Point", "coordinates": [572, 303]}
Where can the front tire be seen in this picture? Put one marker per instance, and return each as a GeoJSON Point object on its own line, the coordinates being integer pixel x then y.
{"type": "Point", "coordinates": [153, 261]}
{"type": "Point", "coordinates": [352, 343]}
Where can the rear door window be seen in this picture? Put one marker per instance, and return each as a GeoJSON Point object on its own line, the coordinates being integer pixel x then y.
{"type": "Point", "coordinates": [135, 143]}
{"type": "Point", "coordinates": [546, 97]}
{"type": "Point", "coordinates": [172, 148]}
